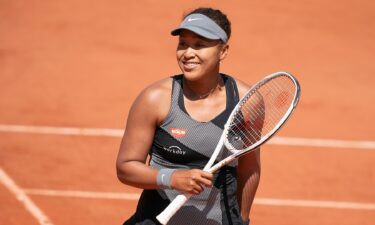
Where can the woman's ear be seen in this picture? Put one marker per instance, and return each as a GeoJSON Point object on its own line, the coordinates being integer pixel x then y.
{"type": "Point", "coordinates": [224, 52]}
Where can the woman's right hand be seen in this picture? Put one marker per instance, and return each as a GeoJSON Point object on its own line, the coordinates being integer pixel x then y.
{"type": "Point", "coordinates": [191, 181]}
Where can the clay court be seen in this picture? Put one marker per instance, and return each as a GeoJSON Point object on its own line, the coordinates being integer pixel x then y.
{"type": "Point", "coordinates": [69, 71]}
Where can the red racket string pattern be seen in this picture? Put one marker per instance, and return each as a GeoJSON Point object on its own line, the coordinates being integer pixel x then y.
{"type": "Point", "coordinates": [261, 112]}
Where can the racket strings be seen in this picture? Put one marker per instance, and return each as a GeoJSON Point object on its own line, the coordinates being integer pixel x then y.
{"type": "Point", "coordinates": [278, 96]}
{"type": "Point", "coordinates": [261, 112]}
{"type": "Point", "coordinates": [280, 91]}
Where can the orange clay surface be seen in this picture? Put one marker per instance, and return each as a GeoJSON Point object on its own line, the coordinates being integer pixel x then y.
{"type": "Point", "coordinates": [81, 63]}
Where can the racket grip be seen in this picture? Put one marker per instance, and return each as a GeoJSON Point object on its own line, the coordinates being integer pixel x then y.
{"type": "Point", "coordinates": [172, 208]}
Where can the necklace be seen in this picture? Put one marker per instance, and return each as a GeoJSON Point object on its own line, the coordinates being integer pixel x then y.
{"type": "Point", "coordinates": [208, 93]}
{"type": "Point", "coordinates": [205, 95]}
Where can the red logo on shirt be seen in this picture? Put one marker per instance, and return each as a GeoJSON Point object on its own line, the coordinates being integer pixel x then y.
{"type": "Point", "coordinates": [177, 132]}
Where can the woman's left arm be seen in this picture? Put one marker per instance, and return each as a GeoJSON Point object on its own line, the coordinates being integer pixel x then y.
{"type": "Point", "coordinates": [248, 176]}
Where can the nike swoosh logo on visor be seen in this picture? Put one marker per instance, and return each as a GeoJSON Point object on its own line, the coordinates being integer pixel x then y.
{"type": "Point", "coordinates": [192, 19]}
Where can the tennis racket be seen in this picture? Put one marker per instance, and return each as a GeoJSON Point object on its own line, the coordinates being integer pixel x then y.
{"type": "Point", "coordinates": [255, 119]}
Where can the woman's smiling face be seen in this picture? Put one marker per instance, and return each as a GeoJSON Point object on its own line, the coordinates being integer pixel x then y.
{"type": "Point", "coordinates": [198, 56]}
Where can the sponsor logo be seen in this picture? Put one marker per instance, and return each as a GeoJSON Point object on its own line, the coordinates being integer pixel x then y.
{"type": "Point", "coordinates": [175, 150]}
{"type": "Point", "coordinates": [178, 132]}
{"type": "Point", "coordinates": [192, 19]}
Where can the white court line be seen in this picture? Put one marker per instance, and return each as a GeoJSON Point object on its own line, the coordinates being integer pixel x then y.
{"type": "Point", "coordinates": [315, 204]}
{"type": "Point", "coordinates": [257, 201]}
{"type": "Point", "coordinates": [83, 194]}
{"type": "Point", "coordinates": [24, 199]}
{"type": "Point", "coordinates": [62, 130]}
{"type": "Point", "coordinates": [106, 132]}
{"type": "Point", "coordinates": [326, 143]}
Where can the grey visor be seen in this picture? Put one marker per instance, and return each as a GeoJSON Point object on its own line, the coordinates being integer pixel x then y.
{"type": "Point", "coordinates": [203, 26]}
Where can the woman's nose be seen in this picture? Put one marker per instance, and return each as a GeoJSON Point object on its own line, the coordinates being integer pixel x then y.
{"type": "Point", "coordinates": [189, 52]}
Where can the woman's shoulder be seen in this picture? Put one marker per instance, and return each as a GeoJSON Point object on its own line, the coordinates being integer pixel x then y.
{"type": "Point", "coordinates": [157, 90]}
{"type": "Point", "coordinates": [155, 98]}
{"type": "Point", "coordinates": [242, 86]}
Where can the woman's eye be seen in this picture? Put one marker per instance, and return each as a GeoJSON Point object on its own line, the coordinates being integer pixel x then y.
{"type": "Point", "coordinates": [181, 44]}
{"type": "Point", "coordinates": [199, 45]}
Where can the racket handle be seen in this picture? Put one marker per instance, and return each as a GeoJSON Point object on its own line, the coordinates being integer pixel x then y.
{"type": "Point", "coordinates": [172, 208]}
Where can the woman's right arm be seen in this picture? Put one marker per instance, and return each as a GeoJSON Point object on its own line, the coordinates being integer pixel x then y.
{"type": "Point", "coordinates": [137, 140]}
{"type": "Point", "coordinates": [148, 110]}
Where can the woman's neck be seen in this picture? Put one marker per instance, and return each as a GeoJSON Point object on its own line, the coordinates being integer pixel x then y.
{"type": "Point", "coordinates": [202, 89]}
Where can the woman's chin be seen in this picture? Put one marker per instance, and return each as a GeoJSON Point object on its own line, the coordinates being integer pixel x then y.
{"type": "Point", "coordinates": [191, 75]}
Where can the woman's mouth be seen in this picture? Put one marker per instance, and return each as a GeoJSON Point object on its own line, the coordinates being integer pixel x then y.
{"type": "Point", "coordinates": [190, 65]}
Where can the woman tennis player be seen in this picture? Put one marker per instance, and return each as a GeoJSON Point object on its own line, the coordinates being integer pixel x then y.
{"type": "Point", "coordinates": [177, 122]}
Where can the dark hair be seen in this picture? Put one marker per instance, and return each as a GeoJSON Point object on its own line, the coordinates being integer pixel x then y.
{"type": "Point", "coordinates": [217, 16]}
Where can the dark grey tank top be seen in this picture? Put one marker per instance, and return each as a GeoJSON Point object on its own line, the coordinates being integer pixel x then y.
{"type": "Point", "coordinates": [184, 143]}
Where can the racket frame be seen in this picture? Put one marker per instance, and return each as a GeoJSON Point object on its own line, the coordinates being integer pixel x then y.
{"type": "Point", "coordinates": [264, 139]}
{"type": "Point", "coordinates": [286, 116]}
